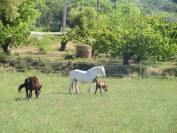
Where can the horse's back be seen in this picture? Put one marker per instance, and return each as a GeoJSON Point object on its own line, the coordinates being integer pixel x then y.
{"type": "Point", "coordinates": [102, 82]}
{"type": "Point", "coordinates": [35, 81]}
{"type": "Point", "coordinates": [77, 72]}
{"type": "Point", "coordinates": [79, 75]}
{"type": "Point", "coordinates": [32, 82]}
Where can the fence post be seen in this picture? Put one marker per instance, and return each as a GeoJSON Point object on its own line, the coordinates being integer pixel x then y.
{"type": "Point", "coordinates": [155, 67]}
{"type": "Point", "coordinates": [140, 70]}
{"type": "Point", "coordinates": [71, 66]}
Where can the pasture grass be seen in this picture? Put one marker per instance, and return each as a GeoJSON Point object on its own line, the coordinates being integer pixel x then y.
{"type": "Point", "coordinates": [131, 106]}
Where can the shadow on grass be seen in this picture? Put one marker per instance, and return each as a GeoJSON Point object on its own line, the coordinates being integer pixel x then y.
{"type": "Point", "coordinates": [66, 93]}
{"type": "Point", "coordinates": [17, 99]}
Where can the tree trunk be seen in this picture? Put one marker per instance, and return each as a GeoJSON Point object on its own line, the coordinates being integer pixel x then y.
{"type": "Point", "coordinates": [64, 41]}
{"type": "Point", "coordinates": [64, 15]}
{"type": "Point", "coordinates": [126, 57]}
{"type": "Point", "coordinates": [97, 5]}
{"type": "Point", "coordinates": [5, 48]}
{"type": "Point", "coordinates": [138, 59]}
{"type": "Point", "coordinates": [63, 46]}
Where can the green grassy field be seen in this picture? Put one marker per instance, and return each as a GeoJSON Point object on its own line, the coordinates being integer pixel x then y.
{"type": "Point", "coordinates": [131, 106]}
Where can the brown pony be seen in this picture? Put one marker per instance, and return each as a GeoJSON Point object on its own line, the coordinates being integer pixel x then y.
{"type": "Point", "coordinates": [30, 84]}
{"type": "Point", "coordinates": [101, 84]}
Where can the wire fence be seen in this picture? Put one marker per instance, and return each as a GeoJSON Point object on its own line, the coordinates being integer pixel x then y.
{"type": "Point", "coordinates": [156, 70]}
{"type": "Point", "coordinates": [141, 71]}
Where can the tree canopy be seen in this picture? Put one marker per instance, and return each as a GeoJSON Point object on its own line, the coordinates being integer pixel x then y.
{"type": "Point", "coordinates": [16, 19]}
{"type": "Point", "coordinates": [130, 33]}
{"type": "Point", "coordinates": [141, 29]}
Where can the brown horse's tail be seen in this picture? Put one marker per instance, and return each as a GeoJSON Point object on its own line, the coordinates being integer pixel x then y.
{"type": "Point", "coordinates": [20, 87]}
{"type": "Point", "coordinates": [40, 86]}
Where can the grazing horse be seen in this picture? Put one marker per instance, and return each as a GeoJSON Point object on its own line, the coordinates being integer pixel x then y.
{"type": "Point", "coordinates": [101, 84]}
{"type": "Point", "coordinates": [88, 76]}
{"type": "Point", "coordinates": [30, 84]}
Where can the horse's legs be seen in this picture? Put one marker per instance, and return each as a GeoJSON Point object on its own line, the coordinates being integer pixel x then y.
{"type": "Point", "coordinates": [73, 87]}
{"type": "Point", "coordinates": [96, 90]}
{"type": "Point", "coordinates": [76, 87]}
{"type": "Point", "coordinates": [30, 94]}
{"type": "Point", "coordinates": [37, 93]}
{"type": "Point", "coordinates": [26, 93]}
{"type": "Point", "coordinates": [70, 86]}
{"type": "Point", "coordinates": [90, 88]}
{"type": "Point", "coordinates": [100, 91]}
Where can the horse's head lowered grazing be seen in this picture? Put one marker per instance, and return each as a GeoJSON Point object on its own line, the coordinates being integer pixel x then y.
{"type": "Point", "coordinates": [88, 76]}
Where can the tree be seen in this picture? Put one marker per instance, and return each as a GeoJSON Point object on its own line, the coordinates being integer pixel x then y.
{"type": "Point", "coordinates": [64, 40]}
{"type": "Point", "coordinates": [97, 5]}
{"type": "Point", "coordinates": [64, 15]}
{"type": "Point", "coordinates": [158, 6]}
{"type": "Point", "coordinates": [16, 19]}
{"type": "Point", "coordinates": [52, 12]}
{"type": "Point", "coordinates": [51, 15]}
{"type": "Point", "coordinates": [175, 1]}
{"type": "Point", "coordinates": [130, 34]}
{"type": "Point", "coordinates": [81, 17]}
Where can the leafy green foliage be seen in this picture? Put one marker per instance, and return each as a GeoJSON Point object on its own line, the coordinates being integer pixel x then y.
{"type": "Point", "coordinates": [44, 43]}
{"type": "Point", "coordinates": [81, 36]}
{"type": "Point", "coordinates": [51, 13]}
{"type": "Point", "coordinates": [9, 10]}
{"type": "Point", "coordinates": [16, 19]}
{"type": "Point", "coordinates": [83, 20]}
{"type": "Point", "coordinates": [131, 34]}
{"type": "Point", "coordinates": [82, 17]}
{"type": "Point", "coordinates": [154, 6]}
{"type": "Point", "coordinates": [119, 27]}
{"type": "Point", "coordinates": [107, 41]}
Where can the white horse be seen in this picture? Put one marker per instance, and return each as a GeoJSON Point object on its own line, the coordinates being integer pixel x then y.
{"type": "Point", "coordinates": [85, 77]}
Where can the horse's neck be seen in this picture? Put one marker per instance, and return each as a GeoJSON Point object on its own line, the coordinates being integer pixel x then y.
{"type": "Point", "coordinates": [93, 73]}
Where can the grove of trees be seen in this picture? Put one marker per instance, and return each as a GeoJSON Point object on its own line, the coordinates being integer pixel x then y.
{"type": "Point", "coordinates": [143, 29]}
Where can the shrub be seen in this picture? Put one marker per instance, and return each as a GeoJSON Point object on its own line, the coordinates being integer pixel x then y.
{"type": "Point", "coordinates": [42, 43]}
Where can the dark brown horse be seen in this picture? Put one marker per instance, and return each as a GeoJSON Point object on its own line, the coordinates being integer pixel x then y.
{"type": "Point", "coordinates": [101, 84]}
{"type": "Point", "coordinates": [30, 84]}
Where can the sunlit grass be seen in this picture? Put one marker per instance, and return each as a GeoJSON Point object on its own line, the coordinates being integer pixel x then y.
{"type": "Point", "coordinates": [131, 106]}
